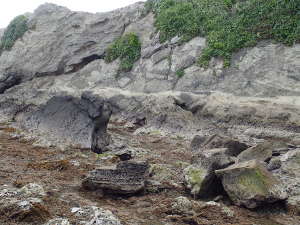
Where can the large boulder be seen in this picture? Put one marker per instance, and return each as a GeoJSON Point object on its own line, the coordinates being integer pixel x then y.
{"type": "Point", "coordinates": [200, 176]}
{"type": "Point", "coordinates": [249, 184]}
{"type": "Point", "coordinates": [127, 178]}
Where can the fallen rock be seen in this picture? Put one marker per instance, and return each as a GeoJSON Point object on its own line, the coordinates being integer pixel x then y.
{"type": "Point", "coordinates": [249, 184]}
{"type": "Point", "coordinates": [234, 147]}
{"type": "Point", "coordinates": [182, 205]}
{"type": "Point", "coordinates": [91, 215]}
{"type": "Point", "coordinates": [33, 189]}
{"type": "Point", "coordinates": [261, 152]}
{"type": "Point", "coordinates": [216, 158]}
{"type": "Point", "coordinates": [274, 164]}
{"type": "Point", "coordinates": [127, 178]}
{"type": "Point", "coordinates": [197, 142]}
{"type": "Point", "coordinates": [200, 177]}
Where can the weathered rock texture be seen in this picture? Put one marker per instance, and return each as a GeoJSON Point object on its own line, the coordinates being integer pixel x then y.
{"type": "Point", "coordinates": [23, 205]}
{"type": "Point", "coordinates": [62, 55]}
{"type": "Point", "coordinates": [127, 178]}
{"type": "Point", "coordinates": [249, 184]}
{"type": "Point", "coordinates": [54, 80]}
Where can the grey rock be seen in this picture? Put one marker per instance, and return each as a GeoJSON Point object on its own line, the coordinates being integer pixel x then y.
{"type": "Point", "coordinates": [33, 190]}
{"type": "Point", "coordinates": [150, 50]}
{"type": "Point", "coordinates": [261, 152]}
{"type": "Point", "coordinates": [274, 164]}
{"type": "Point", "coordinates": [200, 177]}
{"type": "Point", "coordinates": [92, 215]}
{"type": "Point", "coordinates": [197, 142]}
{"type": "Point", "coordinates": [289, 174]}
{"type": "Point", "coordinates": [25, 203]}
{"type": "Point", "coordinates": [182, 205]}
{"type": "Point", "coordinates": [233, 146]}
{"type": "Point", "coordinates": [70, 40]}
{"type": "Point", "coordinates": [100, 137]}
{"type": "Point", "coordinates": [249, 184]}
{"type": "Point", "coordinates": [58, 221]}
{"type": "Point", "coordinates": [127, 178]}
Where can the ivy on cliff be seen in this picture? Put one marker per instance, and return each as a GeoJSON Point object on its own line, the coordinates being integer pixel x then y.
{"type": "Point", "coordinates": [14, 31]}
{"type": "Point", "coordinates": [127, 48]}
{"type": "Point", "coordinates": [228, 25]}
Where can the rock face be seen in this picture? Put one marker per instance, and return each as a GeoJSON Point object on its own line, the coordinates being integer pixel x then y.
{"type": "Point", "coordinates": [128, 178]}
{"type": "Point", "coordinates": [249, 184]}
{"type": "Point", "coordinates": [37, 76]}
{"type": "Point", "coordinates": [73, 40]}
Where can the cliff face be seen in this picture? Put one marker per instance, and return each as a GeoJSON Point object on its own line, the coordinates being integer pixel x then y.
{"type": "Point", "coordinates": [60, 41]}
{"type": "Point", "coordinates": [62, 54]}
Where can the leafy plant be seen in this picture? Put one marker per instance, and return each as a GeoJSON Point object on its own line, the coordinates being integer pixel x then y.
{"type": "Point", "coordinates": [14, 31]}
{"type": "Point", "coordinates": [180, 73]}
{"type": "Point", "coordinates": [228, 25]}
{"type": "Point", "coordinates": [127, 48]}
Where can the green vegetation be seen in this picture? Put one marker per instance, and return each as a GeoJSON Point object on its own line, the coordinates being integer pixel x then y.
{"type": "Point", "coordinates": [195, 178]}
{"type": "Point", "coordinates": [229, 25]}
{"type": "Point", "coordinates": [180, 73]}
{"type": "Point", "coordinates": [256, 181]}
{"type": "Point", "coordinates": [14, 31]}
{"type": "Point", "coordinates": [127, 48]}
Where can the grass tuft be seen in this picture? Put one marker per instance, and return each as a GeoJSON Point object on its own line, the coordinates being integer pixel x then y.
{"type": "Point", "coordinates": [14, 31]}
{"type": "Point", "coordinates": [127, 48]}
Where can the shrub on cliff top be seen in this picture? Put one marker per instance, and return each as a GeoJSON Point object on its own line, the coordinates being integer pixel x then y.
{"type": "Point", "coordinates": [127, 48]}
{"type": "Point", "coordinates": [14, 31]}
{"type": "Point", "coordinates": [228, 25]}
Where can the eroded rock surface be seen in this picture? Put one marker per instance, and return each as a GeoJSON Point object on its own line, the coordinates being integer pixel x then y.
{"type": "Point", "coordinates": [127, 178]}
{"type": "Point", "coordinates": [249, 184]}
{"type": "Point", "coordinates": [23, 205]}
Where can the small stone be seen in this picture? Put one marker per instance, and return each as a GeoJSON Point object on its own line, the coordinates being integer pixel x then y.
{"type": "Point", "coordinates": [33, 190]}
{"type": "Point", "coordinates": [96, 216]}
{"type": "Point", "coordinates": [182, 205]}
{"type": "Point", "coordinates": [274, 164]}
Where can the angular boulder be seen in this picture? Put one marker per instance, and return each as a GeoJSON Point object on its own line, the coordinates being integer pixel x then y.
{"type": "Point", "coordinates": [234, 146]}
{"type": "Point", "coordinates": [200, 177]}
{"type": "Point", "coordinates": [127, 178]}
{"type": "Point", "coordinates": [249, 184]}
{"type": "Point", "coordinates": [261, 152]}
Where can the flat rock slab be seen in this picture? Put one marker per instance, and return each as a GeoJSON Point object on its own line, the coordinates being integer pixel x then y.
{"type": "Point", "coordinates": [249, 184]}
{"type": "Point", "coordinates": [234, 146]}
{"type": "Point", "coordinates": [261, 152]}
{"type": "Point", "coordinates": [127, 178]}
